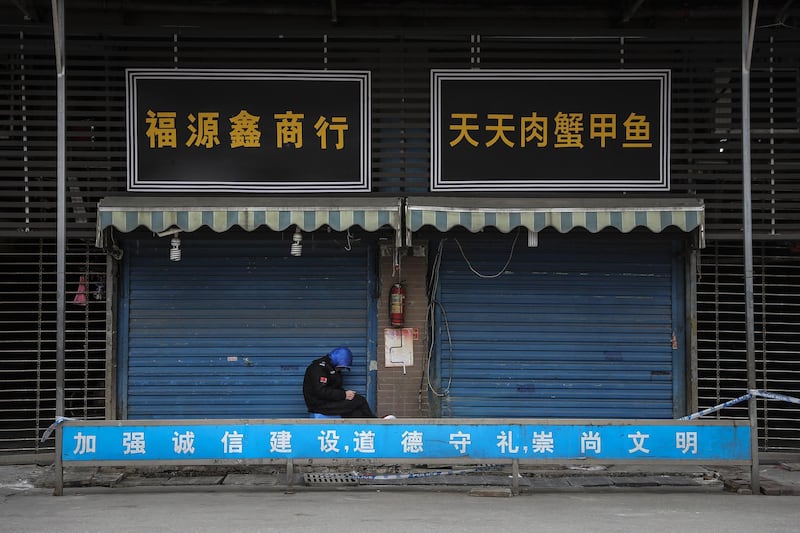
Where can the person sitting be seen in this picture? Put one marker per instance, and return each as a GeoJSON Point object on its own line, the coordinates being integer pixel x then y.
{"type": "Point", "coordinates": [323, 387]}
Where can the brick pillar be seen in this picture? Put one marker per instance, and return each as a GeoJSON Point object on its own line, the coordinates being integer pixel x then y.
{"type": "Point", "coordinates": [403, 395]}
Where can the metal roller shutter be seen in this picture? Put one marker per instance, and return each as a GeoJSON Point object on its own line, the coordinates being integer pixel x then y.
{"type": "Point", "coordinates": [229, 330]}
{"type": "Point", "coordinates": [580, 326]}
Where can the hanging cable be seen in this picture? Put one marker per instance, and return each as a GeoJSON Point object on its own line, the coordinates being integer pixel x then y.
{"type": "Point", "coordinates": [396, 264]}
{"type": "Point", "coordinates": [116, 252]}
{"type": "Point", "coordinates": [433, 324]}
{"type": "Point", "coordinates": [425, 380]}
{"type": "Point", "coordinates": [444, 391]}
{"type": "Point", "coordinates": [349, 245]}
{"type": "Point", "coordinates": [502, 270]}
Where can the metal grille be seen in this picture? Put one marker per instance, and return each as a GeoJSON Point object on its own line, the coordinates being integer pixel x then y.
{"type": "Point", "coordinates": [722, 356]}
{"type": "Point", "coordinates": [706, 160]}
{"type": "Point", "coordinates": [27, 345]}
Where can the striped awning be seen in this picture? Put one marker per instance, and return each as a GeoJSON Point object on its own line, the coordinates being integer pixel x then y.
{"type": "Point", "coordinates": [563, 214]}
{"type": "Point", "coordinates": [158, 213]}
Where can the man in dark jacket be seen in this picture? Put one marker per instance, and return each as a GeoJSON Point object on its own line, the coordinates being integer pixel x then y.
{"type": "Point", "coordinates": [323, 387]}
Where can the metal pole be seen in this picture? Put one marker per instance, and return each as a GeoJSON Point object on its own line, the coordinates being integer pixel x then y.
{"type": "Point", "coordinates": [58, 483]}
{"type": "Point", "coordinates": [515, 477]}
{"type": "Point", "coordinates": [752, 406]}
{"type": "Point", "coordinates": [58, 34]}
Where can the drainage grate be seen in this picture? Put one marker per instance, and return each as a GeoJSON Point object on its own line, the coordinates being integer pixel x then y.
{"type": "Point", "coordinates": [331, 478]}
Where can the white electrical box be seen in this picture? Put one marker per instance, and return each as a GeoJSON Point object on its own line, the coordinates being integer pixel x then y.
{"type": "Point", "coordinates": [399, 347]}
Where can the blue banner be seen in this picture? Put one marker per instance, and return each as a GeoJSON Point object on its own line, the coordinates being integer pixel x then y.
{"type": "Point", "coordinates": [353, 440]}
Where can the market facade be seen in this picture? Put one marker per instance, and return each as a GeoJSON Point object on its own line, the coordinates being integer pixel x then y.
{"type": "Point", "coordinates": [500, 217]}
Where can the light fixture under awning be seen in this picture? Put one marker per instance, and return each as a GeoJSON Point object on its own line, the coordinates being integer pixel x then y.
{"type": "Point", "coordinates": [562, 214]}
{"type": "Point", "coordinates": [158, 213]}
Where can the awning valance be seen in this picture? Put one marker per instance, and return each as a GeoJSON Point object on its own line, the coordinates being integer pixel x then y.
{"type": "Point", "coordinates": [562, 214]}
{"type": "Point", "coordinates": [158, 213]}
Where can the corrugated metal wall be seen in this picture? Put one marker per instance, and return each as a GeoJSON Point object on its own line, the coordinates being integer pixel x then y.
{"type": "Point", "coordinates": [228, 331]}
{"type": "Point", "coordinates": [580, 326]}
{"type": "Point", "coordinates": [706, 160]}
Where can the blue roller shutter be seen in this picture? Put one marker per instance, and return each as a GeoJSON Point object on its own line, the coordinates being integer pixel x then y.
{"type": "Point", "coordinates": [580, 326]}
{"type": "Point", "coordinates": [228, 331]}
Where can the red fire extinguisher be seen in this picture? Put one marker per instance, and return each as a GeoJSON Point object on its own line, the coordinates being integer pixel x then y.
{"type": "Point", "coordinates": [397, 314]}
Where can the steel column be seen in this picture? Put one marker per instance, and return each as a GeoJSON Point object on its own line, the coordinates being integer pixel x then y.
{"type": "Point", "coordinates": [748, 28]}
{"type": "Point", "coordinates": [58, 35]}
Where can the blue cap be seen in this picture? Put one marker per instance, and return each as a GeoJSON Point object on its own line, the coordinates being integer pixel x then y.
{"type": "Point", "coordinates": [341, 357]}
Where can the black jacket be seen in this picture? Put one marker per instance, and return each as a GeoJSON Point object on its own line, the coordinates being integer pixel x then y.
{"type": "Point", "coordinates": [322, 384]}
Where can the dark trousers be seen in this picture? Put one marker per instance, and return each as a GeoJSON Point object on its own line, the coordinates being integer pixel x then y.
{"type": "Point", "coordinates": [355, 408]}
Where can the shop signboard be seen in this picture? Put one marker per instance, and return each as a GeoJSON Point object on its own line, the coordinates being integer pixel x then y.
{"type": "Point", "coordinates": [550, 130]}
{"type": "Point", "coordinates": [248, 130]}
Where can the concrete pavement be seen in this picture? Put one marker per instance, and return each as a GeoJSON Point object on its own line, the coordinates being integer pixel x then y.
{"type": "Point", "coordinates": [594, 500]}
{"type": "Point", "coordinates": [782, 478]}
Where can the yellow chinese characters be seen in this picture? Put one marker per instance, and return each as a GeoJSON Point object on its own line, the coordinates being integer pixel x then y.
{"type": "Point", "coordinates": [569, 130]}
{"type": "Point", "coordinates": [534, 128]}
{"type": "Point", "coordinates": [244, 130]}
{"type": "Point", "coordinates": [637, 132]}
{"type": "Point", "coordinates": [464, 128]}
{"type": "Point", "coordinates": [337, 124]}
{"type": "Point", "coordinates": [289, 127]}
{"type": "Point", "coordinates": [203, 130]}
{"type": "Point", "coordinates": [161, 130]}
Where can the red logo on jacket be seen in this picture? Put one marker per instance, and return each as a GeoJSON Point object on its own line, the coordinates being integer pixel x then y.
{"type": "Point", "coordinates": [323, 379]}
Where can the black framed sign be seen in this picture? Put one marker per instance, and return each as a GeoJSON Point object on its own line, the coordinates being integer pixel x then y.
{"type": "Point", "coordinates": [550, 130]}
{"type": "Point", "coordinates": [248, 130]}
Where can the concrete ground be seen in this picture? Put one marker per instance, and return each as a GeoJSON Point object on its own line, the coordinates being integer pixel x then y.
{"type": "Point", "coordinates": [688, 498]}
{"type": "Point", "coordinates": [782, 478]}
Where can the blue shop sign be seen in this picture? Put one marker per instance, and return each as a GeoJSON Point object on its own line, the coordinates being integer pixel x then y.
{"type": "Point", "coordinates": [337, 440]}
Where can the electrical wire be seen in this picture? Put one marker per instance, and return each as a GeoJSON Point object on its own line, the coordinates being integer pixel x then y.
{"type": "Point", "coordinates": [502, 270]}
{"type": "Point", "coordinates": [115, 251]}
{"type": "Point", "coordinates": [349, 245]}
{"type": "Point", "coordinates": [445, 391]}
{"type": "Point", "coordinates": [432, 324]}
{"type": "Point", "coordinates": [434, 304]}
